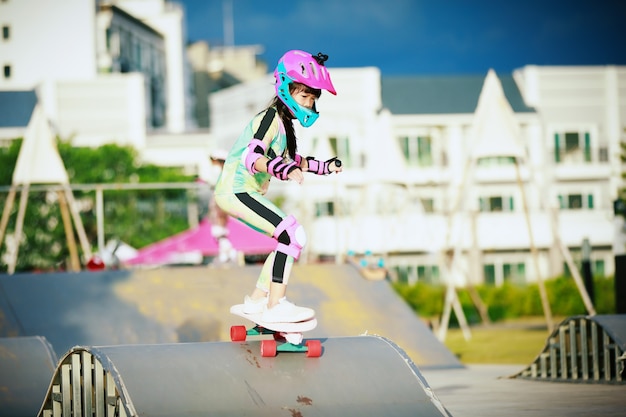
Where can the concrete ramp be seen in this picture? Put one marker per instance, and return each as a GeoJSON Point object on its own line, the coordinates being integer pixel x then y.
{"type": "Point", "coordinates": [355, 376]}
{"type": "Point", "coordinates": [347, 305]}
{"type": "Point", "coordinates": [583, 349]}
{"type": "Point", "coordinates": [26, 367]}
{"type": "Point", "coordinates": [191, 304]}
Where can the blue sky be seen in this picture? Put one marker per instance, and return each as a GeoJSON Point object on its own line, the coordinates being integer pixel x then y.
{"type": "Point", "coordinates": [405, 37]}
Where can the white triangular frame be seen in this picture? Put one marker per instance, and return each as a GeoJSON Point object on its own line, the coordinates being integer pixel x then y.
{"type": "Point", "coordinates": [496, 133]}
{"type": "Point", "coordinates": [39, 162]}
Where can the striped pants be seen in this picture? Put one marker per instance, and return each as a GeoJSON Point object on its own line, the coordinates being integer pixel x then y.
{"type": "Point", "coordinates": [263, 216]}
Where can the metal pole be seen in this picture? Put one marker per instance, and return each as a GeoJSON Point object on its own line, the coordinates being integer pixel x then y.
{"type": "Point", "coordinates": [586, 269]}
{"type": "Point", "coordinates": [6, 213]}
{"type": "Point", "coordinates": [229, 25]}
{"type": "Point", "coordinates": [100, 218]}
{"type": "Point", "coordinates": [535, 253]}
{"type": "Point", "coordinates": [571, 265]}
{"type": "Point", "coordinates": [18, 229]}
{"type": "Point", "coordinates": [619, 253]}
{"type": "Point", "coordinates": [74, 264]}
{"type": "Point", "coordinates": [80, 229]}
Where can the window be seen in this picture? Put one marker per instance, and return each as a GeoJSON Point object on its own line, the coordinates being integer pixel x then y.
{"type": "Point", "coordinates": [497, 274]}
{"type": "Point", "coordinates": [603, 154]}
{"type": "Point", "coordinates": [137, 53]}
{"type": "Point", "coordinates": [576, 201]}
{"type": "Point", "coordinates": [598, 268]}
{"type": "Point", "coordinates": [417, 151]}
{"type": "Point", "coordinates": [496, 161]}
{"type": "Point", "coordinates": [428, 204]}
{"type": "Point", "coordinates": [572, 146]}
{"type": "Point", "coordinates": [404, 274]}
{"type": "Point", "coordinates": [428, 274]}
{"type": "Point", "coordinates": [324, 208]}
{"type": "Point", "coordinates": [6, 32]}
{"type": "Point", "coordinates": [424, 153]}
{"type": "Point", "coordinates": [407, 148]}
{"type": "Point", "coordinates": [571, 142]}
{"type": "Point", "coordinates": [489, 272]}
{"type": "Point", "coordinates": [341, 148]}
{"type": "Point", "coordinates": [495, 204]}
{"type": "Point", "coordinates": [514, 273]}
{"type": "Point", "coordinates": [7, 71]}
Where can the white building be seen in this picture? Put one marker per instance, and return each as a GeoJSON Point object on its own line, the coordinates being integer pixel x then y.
{"type": "Point", "coordinates": [168, 18]}
{"type": "Point", "coordinates": [119, 75]}
{"type": "Point", "coordinates": [429, 167]}
{"type": "Point", "coordinates": [104, 71]}
{"type": "Point", "coordinates": [215, 68]}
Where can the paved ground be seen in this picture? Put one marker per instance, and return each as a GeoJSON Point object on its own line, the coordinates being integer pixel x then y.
{"type": "Point", "coordinates": [485, 391]}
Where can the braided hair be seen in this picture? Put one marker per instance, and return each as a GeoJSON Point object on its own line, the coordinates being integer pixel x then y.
{"type": "Point", "coordinates": [286, 116]}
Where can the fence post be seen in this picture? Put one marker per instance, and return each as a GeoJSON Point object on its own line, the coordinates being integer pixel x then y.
{"type": "Point", "coordinates": [619, 209]}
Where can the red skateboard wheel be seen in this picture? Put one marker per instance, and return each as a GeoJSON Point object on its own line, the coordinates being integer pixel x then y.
{"type": "Point", "coordinates": [238, 333]}
{"type": "Point", "coordinates": [268, 348]}
{"type": "Point", "coordinates": [314, 348]}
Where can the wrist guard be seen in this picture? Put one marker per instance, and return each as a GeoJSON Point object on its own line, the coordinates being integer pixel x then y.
{"type": "Point", "coordinates": [280, 169]}
{"type": "Point", "coordinates": [319, 167]}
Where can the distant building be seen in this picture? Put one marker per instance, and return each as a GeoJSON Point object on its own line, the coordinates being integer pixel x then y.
{"type": "Point", "coordinates": [215, 68]}
{"type": "Point", "coordinates": [168, 19]}
{"type": "Point", "coordinates": [105, 71]}
{"type": "Point", "coordinates": [116, 71]}
{"type": "Point", "coordinates": [128, 45]}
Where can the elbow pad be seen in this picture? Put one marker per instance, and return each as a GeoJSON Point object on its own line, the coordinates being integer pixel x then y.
{"type": "Point", "coordinates": [319, 167]}
{"type": "Point", "coordinates": [280, 169]}
{"type": "Point", "coordinates": [255, 150]}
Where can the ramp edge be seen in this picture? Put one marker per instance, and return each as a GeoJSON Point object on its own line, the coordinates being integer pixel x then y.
{"type": "Point", "coordinates": [418, 375]}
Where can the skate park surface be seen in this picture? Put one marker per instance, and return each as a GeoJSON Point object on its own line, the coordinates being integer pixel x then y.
{"type": "Point", "coordinates": [138, 321]}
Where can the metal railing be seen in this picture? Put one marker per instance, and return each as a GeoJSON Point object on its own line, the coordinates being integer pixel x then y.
{"type": "Point", "coordinates": [82, 387]}
{"type": "Point", "coordinates": [582, 349]}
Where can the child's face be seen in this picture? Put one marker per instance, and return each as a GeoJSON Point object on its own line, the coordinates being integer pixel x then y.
{"type": "Point", "coordinates": [304, 99]}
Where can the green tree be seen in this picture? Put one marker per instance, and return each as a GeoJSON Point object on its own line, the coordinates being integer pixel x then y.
{"type": "Point", "coordinates": [138, 217]}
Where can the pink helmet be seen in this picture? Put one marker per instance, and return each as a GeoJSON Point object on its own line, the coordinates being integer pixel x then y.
{"type": "Point", "coordinates": [302, 67]}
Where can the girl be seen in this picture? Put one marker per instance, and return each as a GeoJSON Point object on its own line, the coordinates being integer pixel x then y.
{"type": "Point", "coordinates": [267, 148]}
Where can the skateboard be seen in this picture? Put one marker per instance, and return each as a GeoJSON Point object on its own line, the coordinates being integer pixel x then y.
{"type": "Point", "coordinates": [287, 336]}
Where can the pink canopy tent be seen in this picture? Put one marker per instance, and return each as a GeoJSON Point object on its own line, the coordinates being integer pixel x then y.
{"type": "Point", "coordinates": [199, 242]}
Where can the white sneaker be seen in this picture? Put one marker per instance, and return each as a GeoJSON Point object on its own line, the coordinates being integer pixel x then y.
{"type": "Point", "coordinates": [286, 312]}
{"type": "Point", "coordinates": [251, 306]}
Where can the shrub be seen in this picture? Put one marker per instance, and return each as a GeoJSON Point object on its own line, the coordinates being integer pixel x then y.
{"type": "Point", "coordinates": [511, 301]}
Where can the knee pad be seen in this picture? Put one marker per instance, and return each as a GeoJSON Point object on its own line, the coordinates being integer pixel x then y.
{"type": "Point", "coordinates": [291, 237]}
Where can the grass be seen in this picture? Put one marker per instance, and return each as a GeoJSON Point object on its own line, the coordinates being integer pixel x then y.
{"type": "Point", "coordinates": [517, 342]}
